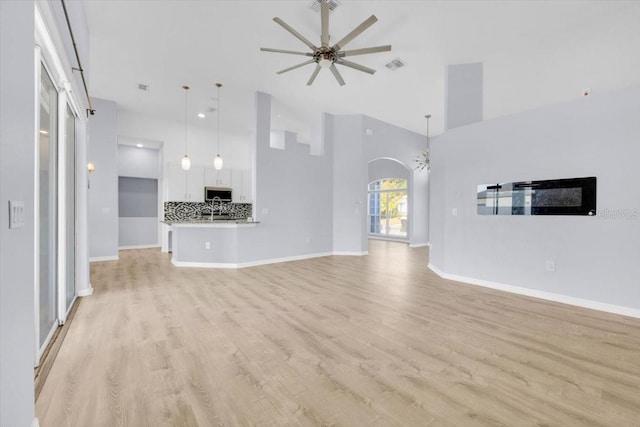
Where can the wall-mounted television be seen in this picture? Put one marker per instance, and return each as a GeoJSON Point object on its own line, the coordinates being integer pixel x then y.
{"type": "Point", "coordinates": [573, 196]}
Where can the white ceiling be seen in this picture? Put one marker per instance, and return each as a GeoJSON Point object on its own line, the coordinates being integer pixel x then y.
{"type": "Point", "coordinates": [535, 53]}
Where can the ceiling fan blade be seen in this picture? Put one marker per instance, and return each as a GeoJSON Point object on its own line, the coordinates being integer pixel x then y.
{"type": "Point", "coordinates": [365, 51]}
{"type": "Point", "coordinates": [336, 74]}
{"type": "Point", "coordinates": [356, 32]}
{"type": "Point", "coordinates": [314, 75]}
{"type": "Point", "coordinates": [296, 66]}
{"type": "Point", "coordinates": [295, 33]}
{"type": "Point", "coordinates": [292, 52]}
{"type": "Point", "coordinates": [356, 66]}
{"type": "Point", "coordinates": [324, 17]}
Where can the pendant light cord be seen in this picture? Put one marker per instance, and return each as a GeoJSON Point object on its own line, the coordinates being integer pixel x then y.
{"type": "Point", "coordinates": [428, 116]}
{"type": "Point", "coordinates": [186, 89]}
{"type": "Point", "coordinates": [218, 85]}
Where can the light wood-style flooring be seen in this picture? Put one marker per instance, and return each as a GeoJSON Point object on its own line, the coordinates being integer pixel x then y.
{"type": "Point", "coordinates": [345, 341]}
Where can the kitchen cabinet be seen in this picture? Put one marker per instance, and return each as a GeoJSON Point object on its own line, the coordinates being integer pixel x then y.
{"type": "Point", "coordinates": [241, 184]}
{"type": "Point", "coordinates": [215, 178]}
{"type": "Point", "coordinates": [185, 186]}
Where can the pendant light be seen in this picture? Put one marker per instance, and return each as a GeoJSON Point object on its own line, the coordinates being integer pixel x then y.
{"type": "Point", "coordinates": [217, 162]}
{"type": "Point", "coordinates": [186, 161]}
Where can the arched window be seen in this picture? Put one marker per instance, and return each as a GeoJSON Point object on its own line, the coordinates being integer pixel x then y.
{"type": "Point", "coordinates": [388, 208]}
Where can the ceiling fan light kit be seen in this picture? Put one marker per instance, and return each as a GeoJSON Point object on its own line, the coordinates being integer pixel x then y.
{"type": "Point", "coordinates": [325, 55]}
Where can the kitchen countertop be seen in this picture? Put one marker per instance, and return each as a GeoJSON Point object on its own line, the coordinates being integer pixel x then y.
{"type": "Point", "coordinates": [217, 223]}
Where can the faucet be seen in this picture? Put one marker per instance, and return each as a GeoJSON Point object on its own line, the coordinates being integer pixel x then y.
{"type": "Point", "coordinates": [213, 201]}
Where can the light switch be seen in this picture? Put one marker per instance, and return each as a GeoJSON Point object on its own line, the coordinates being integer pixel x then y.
{"type": "Point", "coordinates": [265, 211]}
{"type": "Point", "coordinates": [16, 214]}
{"type": "Point", "coordinates": [454, 211]}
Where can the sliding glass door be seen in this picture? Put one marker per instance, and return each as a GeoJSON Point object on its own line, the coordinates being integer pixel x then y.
{"type": "Point", "coordinates": [47, 198]}
{"type": "Point", "coordinates": [69, 282]}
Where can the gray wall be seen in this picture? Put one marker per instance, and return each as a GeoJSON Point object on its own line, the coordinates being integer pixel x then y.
{"type": "Point", "coordinates": [103, 191]}
{"type": "Point", "coordinates": [596, 258]}
{"type": "Point", "coordinates": [138, 212]}
{"type": "Point", "coordinates": [464, 94]}
{"type": "Point", "coordinates": [138, 168]}
{"type": "Point", "coordinates": [17, 153]}
{"type": "Point", "coordinates": [354, 149]}
{"type": "Point", "coordinates": [295, 189]}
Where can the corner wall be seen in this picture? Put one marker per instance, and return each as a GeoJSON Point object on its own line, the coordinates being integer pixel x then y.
{"type": "Point", "coordinates": [103, 182]}
{"type": "Point", "coordinates": [17, 155]}
{"type": "Point", "coordinates": [596, 258]}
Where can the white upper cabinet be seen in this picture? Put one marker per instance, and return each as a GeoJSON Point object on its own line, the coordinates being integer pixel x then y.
{"type": "Point", "coordinates": [215, 178]}
{"type": "Point", "coordinates": [241, 184]}
{"type": "Point", "coordinates": [185, 186]}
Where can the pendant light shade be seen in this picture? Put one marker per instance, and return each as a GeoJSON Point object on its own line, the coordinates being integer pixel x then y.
{"type": "Point", "coordinates": [186, 161]}
{"type": "Point", "coordinates": [217, 162]}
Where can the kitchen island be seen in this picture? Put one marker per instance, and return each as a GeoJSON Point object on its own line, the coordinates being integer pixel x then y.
{"type": "Point", "coordinates": [205, 243]}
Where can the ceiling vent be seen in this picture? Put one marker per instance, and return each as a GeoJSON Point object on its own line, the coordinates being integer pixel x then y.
{"type": "Point", "coordinates": [143, 87]}
{"type": "Point", "coordinates": [211, 110]}
{"type": "Point", "coordinates": [395, 64]}
{"type": "Point", "coordinates": [333, 4]}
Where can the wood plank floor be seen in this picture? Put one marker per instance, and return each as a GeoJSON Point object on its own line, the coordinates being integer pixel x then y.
{"type": "Point", "coordinates": [345, 341]}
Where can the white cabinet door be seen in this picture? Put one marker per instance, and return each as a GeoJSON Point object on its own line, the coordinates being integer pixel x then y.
{"type": "Point", "coordinates": [214, 178]}
{"type": "Point", "coordinates": [195, 185]}
{"type": "Point", "coordinates": [236, 185]}
{"type": "Point", "coordinates": [247, 196]}
{"type": "Point", "coordinates": [176, 183]}
{"type": "Point", "coordinates": [185, 186]}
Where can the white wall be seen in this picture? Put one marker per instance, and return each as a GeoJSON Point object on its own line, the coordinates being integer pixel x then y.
{"type": "Point", "coordinates": [103, 192]}
{"type": "Point", "coordinates": [596, 258]}
{"type": "Point", "coordinates": [235, 148]}
{"type": "Point", "coordinates": [17, 154]}
{"type": "Point", "coordinates": [136, 162]}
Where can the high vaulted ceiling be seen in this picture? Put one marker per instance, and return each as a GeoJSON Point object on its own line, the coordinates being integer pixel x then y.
{"type": "Point", "coordinates": [534, 53]}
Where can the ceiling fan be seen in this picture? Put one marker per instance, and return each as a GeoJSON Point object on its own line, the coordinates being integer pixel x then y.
{"type": "Point", "coordinates": [326, 56]}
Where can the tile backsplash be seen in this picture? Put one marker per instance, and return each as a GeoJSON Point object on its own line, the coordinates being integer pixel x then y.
{"type": "Point", "coordinates": [183, 211]}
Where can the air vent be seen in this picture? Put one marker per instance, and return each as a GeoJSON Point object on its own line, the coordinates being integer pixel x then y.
{"type": "Point", "coordinates": [395, 64]}
{"type": "Point", "coordinates": [333, 4]}
{"type": "Point", "coordinates": [211, 110]}
{"type": "Point", "coordinates": [143, 87]}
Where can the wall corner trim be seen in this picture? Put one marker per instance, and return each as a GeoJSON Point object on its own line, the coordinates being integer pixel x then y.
{"type": "Point", "coordinates": [418, 245]}
{"type": "Point", "coordinates": [86, 292]}
{"type": "Point", "coordinates": [35, 422]}
{"type": "Point", "coordinates": [550, 296]}
{"type": "Point", "coordinates": [104, 258]}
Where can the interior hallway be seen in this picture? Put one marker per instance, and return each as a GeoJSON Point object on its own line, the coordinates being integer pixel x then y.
{"type": "Point", "coordinates": [376, 340]}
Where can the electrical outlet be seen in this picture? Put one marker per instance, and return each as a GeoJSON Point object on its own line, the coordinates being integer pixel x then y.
{"type": "Point", "coordinates": [550, 265]}
{"type": "Point", "coordinates": [207, 245]}
{"type": "Point", "coordinates": [265, 211]}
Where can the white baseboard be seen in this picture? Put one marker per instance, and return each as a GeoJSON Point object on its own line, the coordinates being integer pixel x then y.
{"type": "Point", "coordinates": [341, 253]}
{"type": "Point", "coordinates": [86, 292]}
{"type": "Point", "coordinates": [125, 248]}
{"type": "Point", "coordinates": [418, 245]}
{"type": "Point", "coordinates": [104, 258]}
{"type": "Point", "coordinates": [35, 422]}
{"type": "Point", "coordinates": [247, 264]}
{"type": "Point", "coordinates": [550, 296]}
